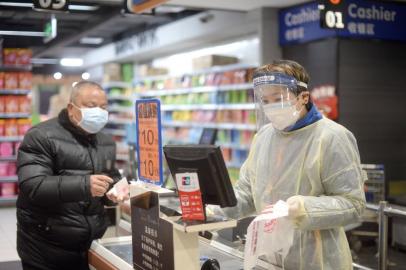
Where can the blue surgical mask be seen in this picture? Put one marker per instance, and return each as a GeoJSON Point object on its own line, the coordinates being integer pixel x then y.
{"type": "Point", "coordinates": [93, 119]}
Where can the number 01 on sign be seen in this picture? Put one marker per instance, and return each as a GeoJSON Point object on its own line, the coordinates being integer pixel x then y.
{"type": "Point", "coordinates": [149, 140]}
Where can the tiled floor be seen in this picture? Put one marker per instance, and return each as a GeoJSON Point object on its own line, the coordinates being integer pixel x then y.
{"type": "Point", "coordinates": [8, 230]}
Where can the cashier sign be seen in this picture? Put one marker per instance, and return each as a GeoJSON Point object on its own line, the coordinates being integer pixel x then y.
{"type": "Point", "coordinates": [149, 141]}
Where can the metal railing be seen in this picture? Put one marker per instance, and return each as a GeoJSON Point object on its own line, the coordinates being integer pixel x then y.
{"type": "Point", "coordinates": [384, 212]}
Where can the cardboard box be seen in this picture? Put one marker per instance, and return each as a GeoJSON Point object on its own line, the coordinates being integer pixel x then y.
{"type": "Point", "coordinates": [146, 70]}
{"type": "Point", "coordinates": [209, 61]}
{"type": "Point", "coordinates": [112, 72]}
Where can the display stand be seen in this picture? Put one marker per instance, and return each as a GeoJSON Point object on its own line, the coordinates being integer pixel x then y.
{"type": "Point", "coordinates": [161, 242]}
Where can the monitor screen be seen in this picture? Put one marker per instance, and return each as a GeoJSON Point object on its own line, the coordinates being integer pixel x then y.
{"type": "Point", "coordinates": [208, 136]}
{"type": "Point", "coordinates": [207, 161]}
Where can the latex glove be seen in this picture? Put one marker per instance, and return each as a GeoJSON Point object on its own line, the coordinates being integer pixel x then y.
{"type": "Point", "coordinates": [296, 207]}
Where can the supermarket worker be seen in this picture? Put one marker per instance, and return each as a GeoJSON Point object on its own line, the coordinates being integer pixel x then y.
{"type": "Point", "coordinates": [307, 160]}
{"type": "Point", "coordinates": [64, 170]}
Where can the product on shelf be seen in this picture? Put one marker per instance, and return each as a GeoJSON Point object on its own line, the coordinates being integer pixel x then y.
{"type": "Point", "coordinates": [11, 80]}
{"type": "Point", "coordinates": [2, 127]}
{"type": "Point", "coordinates": [11, 128]}
{"type": "Point", "coordinates": [2, 104]}
{"type": "Point", "coordinates": [208, 61]}
{"type": "Point", "coordinates": [25, 80]}
{"type": "Point", "coordinates": [12, 104]}
{"type": "Point", "coordinates": [10, 56]}
{"type": "Point", "coordinates": [24, 104]}
{"type": "Point", "coordinates": [8, 189]}
{"type": "Point", "coordinates": [2, 80]}
{"type": "Point", "coordinates": [6, 149]}
{"type": "Point", "coordinates": [16, 56]}
{"type": "Point", "coordinates": [23, 126]}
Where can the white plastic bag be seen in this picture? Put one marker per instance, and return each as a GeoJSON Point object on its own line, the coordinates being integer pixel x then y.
{"type": "Point", "coordinates": [269, 234]}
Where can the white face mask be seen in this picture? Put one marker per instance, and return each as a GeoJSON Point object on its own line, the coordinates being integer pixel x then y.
{"type": "Point", "coordinates": [93, 119]}
{"type": "Point", "coordinates": [281, 117]}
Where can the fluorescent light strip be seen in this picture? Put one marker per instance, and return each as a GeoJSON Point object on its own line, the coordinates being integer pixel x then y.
{"type": "Point", "coordinates": [15, 4]}
{"type": "Point", "coordinates": [45, 61]}
{"type": "Point", "coordinates": [83, 8]}
{"type": "Point", "coordinates": [71, 62]}
{"type": "Point", "coordinates": [30, 5]}
{"type": "Point", "coordinates": [22, 33]}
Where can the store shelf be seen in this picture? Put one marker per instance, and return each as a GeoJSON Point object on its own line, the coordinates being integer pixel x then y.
{"type": "Point", "coordinates": [121, 121]}
{"type": "Point", "coordinates": [15, 67]}
{"type": "Point", "coordinates": [15, 115]}
{"type": "Point", "coordinates": [215, 69]}
{"type": "Point", "coordinates": [233, 164]}
{"type": "Point", "coordinates": [11, 139]}
{"type": "Point", "coordinates": [14, 92]}
{"type": "Point", "coordinates": [117, 84]}
{"type": "Point", "coordinates": [115, 132]}
{"type": "Point", "coordinates": [125, 109]}
{"type": "Point", "coordinates": [233, 146]}
{"type": "Point", "coordinates": [201, 89]}
{"type": "Point", "coordinates": [8, 179]}
{"type": "Point", "coordinates": [11, 158]}
{"type": "Point", "coordinates": [183, 107]}
{"type": "Point", "coordinates": [121, 97]}
{"type": "Point", "coordinates": [8, 201]}
{"type": "Point", "coordinates": [210, 125]}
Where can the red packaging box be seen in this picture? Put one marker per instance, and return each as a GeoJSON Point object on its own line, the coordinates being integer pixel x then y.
{"type": "Point", "coordinates": [11, 104]}
{"type": "Point", "coordinates": [24, 104]}
{"type": "Point", "coordinates": [11, 80]}
{"type": "Point", "coordinates": [11, 128]}
{"type": "Point", "coordinates": [24, 57]}
{"type": "Point", "coordinates": [25, 80]}
{"type": "Point", "coordinates": [2, 80]}
{"type": "Point", "coordinates": [10, 56]}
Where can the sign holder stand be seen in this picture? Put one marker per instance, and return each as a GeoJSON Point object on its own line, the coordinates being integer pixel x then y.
{"type": "Point", "coordinates": [153, 233]}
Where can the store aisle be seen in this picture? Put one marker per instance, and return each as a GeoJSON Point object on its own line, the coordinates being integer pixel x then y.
{"type": "Point", "coordinates": [8, 228]}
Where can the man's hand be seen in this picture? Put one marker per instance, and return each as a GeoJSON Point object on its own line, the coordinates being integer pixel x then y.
{"type": "Point", "coordinates": [99, 184]}
{"type": "Point", "coordinates": [117, 198]}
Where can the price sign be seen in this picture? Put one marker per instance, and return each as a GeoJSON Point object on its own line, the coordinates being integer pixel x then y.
{"type": "Point", "coordinates": [149, 140]}
{"type": "Point", "coordinates": [58, 5]}
{"type": "Point", "coordinates": [332, 14]}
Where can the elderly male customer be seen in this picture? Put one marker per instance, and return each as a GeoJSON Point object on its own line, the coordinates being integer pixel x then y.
{"type": "Point", "coordinates": [64, 172]}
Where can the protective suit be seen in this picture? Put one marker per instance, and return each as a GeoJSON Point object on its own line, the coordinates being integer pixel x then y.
{"type": "Point", "coordinates": [318, 169]}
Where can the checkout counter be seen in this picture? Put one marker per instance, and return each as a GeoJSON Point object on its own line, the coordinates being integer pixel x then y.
{"type": "Point", "coordinates": [117, 252]}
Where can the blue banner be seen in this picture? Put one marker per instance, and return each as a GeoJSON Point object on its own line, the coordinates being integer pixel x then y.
{"type": "Point", "coordinates": [364, 19]}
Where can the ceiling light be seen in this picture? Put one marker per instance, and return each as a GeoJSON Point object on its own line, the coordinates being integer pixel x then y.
{"type": "Point", "coordinates": [85, 75]}
{"type": "Point", "coordinates": [44, 61]}
{"type": "Point", "coordinates": [16, 4]}
{"type": "Point", "coordinates": [71, 62]}
{"type": "Point", "coordinates": [22, 33]}
{"type": "Point", "coordinates": [57, 75]}
{"type": "Point", "coordinates": [91, 40]}
{"type": "Point", "coordinates": [83, 8]}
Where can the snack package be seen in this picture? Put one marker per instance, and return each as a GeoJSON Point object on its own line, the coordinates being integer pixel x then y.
{"type": "Point", "coordinates": [24, 104]}
{"type": "Point", "coordinates": [2, 127]}
{"type": "Point", "coordinates": [11, 128]}
{"type": "Point", "coordinates": [11, 104]}
{"type": "Point", "coordinates": [2, 104]}
{"type": "Point", "coordinates": [270, 236]}
{"type": "Point", "coordinates": [23, 126]}
{"type": "Point", "coordinates": [10, 56]}
{"type": "Point", "coordinates": [24, 57]}
{"type": "Point", "coordinates": [10, 80]}
{"type": "Point", "coordinates": [25, 80]}
{"type": "Point", "coordinates": [7, 189]}
{"type": "Point", "coordinates": [11, 169]}
{"type": "Point", "coordinates": [6, 149]}
{"type": "Point", "coordinates": [2, 80]}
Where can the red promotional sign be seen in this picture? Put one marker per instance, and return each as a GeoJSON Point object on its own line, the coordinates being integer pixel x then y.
{"type": "Point", "coordinates": [190, 196]}
{"type": "Point", "coordinates": [326, 100]}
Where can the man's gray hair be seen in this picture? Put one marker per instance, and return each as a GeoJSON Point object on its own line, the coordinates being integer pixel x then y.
{"type": "Point", "coordinates": [78, 87]}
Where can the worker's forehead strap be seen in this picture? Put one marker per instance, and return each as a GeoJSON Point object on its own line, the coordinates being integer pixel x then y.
{"type": "Point", "coordinates": [277, 79]}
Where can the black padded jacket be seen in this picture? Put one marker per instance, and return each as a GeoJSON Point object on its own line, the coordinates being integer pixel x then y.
{"type": "Point", "coordinates": [54, 165]}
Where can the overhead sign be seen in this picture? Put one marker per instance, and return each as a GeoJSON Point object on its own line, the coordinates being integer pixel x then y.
{"type": "Point", "coordinates": [139, 6]}
{"type": "Point", "coordinates": [52, 5]}
{"type": "Point", "coordinates": [50, 29]}
{"type": "Point", "coordinates": [359, 19]}
{"type": "Point", "coordinates": [332, 14]}
{"type": "Point", "coordinates": [149, 140]}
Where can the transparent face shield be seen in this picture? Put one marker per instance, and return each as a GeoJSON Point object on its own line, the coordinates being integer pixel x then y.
{"type": "Point", "coordinates": [275, 99]}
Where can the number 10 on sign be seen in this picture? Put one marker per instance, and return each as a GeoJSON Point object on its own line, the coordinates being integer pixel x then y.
{"type": "Point", "coordinates": [149, 140]}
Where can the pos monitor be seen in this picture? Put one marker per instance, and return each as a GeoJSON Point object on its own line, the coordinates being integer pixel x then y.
{"type": "Point", "coordinates": [207, 161]}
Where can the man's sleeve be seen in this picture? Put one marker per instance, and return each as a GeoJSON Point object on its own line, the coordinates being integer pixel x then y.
{"type": "Point", "coordinates": [36, 177]}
